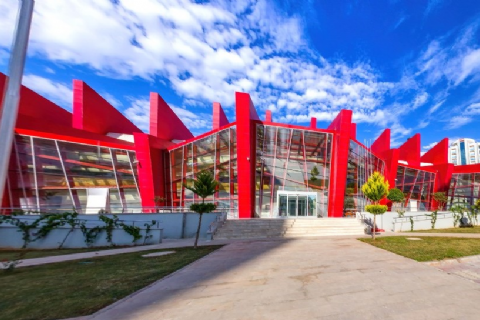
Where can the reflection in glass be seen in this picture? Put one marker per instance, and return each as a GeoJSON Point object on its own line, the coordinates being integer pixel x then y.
{"type": "Point", "coordinates": [291, 160]}
{"type": "Point", "coordinates": [361, 164]}
{"type": "Point", "coordinates": [52, 175]}
{"type": "Point", "coordinates": [215, 153]}
{"type": "Point", "coordinates": [416, 185]}
{"type": "Point", "coordinates": [464, 188]}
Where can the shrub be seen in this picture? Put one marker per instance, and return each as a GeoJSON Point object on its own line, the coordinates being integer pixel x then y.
{"type": "Point", "coordinates": [376, 209]}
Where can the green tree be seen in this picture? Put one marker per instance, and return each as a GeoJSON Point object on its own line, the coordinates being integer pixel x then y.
{"type": "Point", "coordinates": [441, 199]}
{"type": "Point", "coordinates": [396, 196]}
{"type": "Point", "coordinates": [375, 190]}
{"type": "Point", "coordinates": [314, 173]}
{"type": "Point", "coordinates": [204, 186]}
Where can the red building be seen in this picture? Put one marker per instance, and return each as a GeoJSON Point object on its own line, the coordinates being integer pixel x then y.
{"type": "Point", "coordinates": [94, 158]}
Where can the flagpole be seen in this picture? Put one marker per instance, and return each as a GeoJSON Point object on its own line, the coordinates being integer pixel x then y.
{"type": "Point", "coordinates": [9, 110]}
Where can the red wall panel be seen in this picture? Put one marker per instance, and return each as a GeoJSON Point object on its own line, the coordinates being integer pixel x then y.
{"type": "Point", "coordinates": [382, 143]}
{"type": "Point", "coordinates": [33, 105]}
{"type": "Point", "coordinates": [93, 113]}
{"type": "Point", "coordinates": [438, 154]}
{"type": "Point", "coordinates": [353, 131]}
{"type": "Point", "coordinates": [338, 171]}
{"type": "Point", "coordinates": [410, 150]}
{"type": "Point", "coordinates": [164, 123]}
{"type": "Point", "coordinates": [219, 117]}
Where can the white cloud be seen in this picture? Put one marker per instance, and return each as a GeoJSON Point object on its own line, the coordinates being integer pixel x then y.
{"type": "Point", "coordinates": [139, 113]}
{"type": "Point", "coordinates": [458, 121]}
{"type": "Point", "coordinates": [206, 51]}
{"type": "Point", "coordinates": [112, 100]}
{"type": "Point", "coordinates": [454, 61]}
{"type": "Point", "coordinates": [435, 107]}
{"type": "Point", "coordinates": [473, 109]}
{"type": "Point", "coordinates": [430, 146]}
{"type": "Point", "coordinates": [57, 92]}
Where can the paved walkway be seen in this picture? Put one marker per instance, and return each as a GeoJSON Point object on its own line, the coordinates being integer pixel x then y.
{"type": "Point", "coordinates": [166, 244]}
{"type": "Point", "coordinates": [466, 267]}
{"type": "Point", "coordinates": [319, 278]}
{"type": "Point", "coordinates": [178, 243]}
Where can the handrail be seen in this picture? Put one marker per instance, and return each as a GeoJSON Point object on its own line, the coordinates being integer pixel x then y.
{"type": "Point", "coordinates": [421, 217]}
{"type": "Point", "coordinates": [219, 220]}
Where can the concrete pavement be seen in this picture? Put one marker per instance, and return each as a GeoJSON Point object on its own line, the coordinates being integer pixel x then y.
{"type": "Point", "coordinates": [323, 278]}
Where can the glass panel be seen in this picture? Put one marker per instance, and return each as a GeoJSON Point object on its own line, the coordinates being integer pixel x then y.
{"type": "Point", "coordinates": [282, 207]}
{"type": "Point", "coordinates": [312, 206]}
{"type": "Point", "coordinates": [292, 206]}
{"type": "Point", "coordinates": [215, 153]}
{"type": "Point", "coordinates": [361, 164]}
{"type": "Point", "coordinates": [302, 206]}
{"type": "Point", "coordinates": [416, 184]}
{"type": "Point", "coordinates": [291, 160]}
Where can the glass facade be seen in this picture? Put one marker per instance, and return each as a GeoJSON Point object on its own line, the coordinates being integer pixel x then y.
{"type": "Point", "coordinates": [216, 153]}
{"type": "Point", "coordinates": [361, 164]}
{"type": "Point", "coordinates": [54, 175]}
{"type": "Point", "coordinates": [417, 185]}
{"type": "Point", "coordinates": [464, 188]}
{"type": "Point", "coordinates": [297, 163]}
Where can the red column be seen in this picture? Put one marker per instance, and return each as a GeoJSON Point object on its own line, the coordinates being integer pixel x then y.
{"type": "Point", "coordinates": [245, 154]}
{"type": "Point", "coordinates": [268, 116]}
{"type": "Point", "coordinates": [338, 171]}
{"type": "Point", "coordinates": [313, 123]}
{"type": "Point", "coordinates": [150, 169]}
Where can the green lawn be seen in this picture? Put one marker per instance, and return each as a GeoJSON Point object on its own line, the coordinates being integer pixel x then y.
{"type": "Point", "coordinates": [10, 254]}
{"type": "Point", "coordinates": [429, 248]}
{"type": "Point", "coordinates": [76, 288]}
{"type": "Point", "coordinates": [475, 229]}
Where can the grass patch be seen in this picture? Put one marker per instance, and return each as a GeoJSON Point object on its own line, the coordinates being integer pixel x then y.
{"type": "Point", "coordinates": [76, 288]}
{"type": "Point", "coordinates": [429, 248]}
{"type": "Point", "coordinates": [475, 229]}
{"type": "Point", "coordinates": [10, 254]}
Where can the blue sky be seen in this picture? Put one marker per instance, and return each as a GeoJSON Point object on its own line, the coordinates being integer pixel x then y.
{"type": "Point", "coordinates": [412, 65]}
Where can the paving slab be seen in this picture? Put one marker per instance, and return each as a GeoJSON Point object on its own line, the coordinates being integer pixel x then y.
{"type": "Point", "coordinates": [324, 278]}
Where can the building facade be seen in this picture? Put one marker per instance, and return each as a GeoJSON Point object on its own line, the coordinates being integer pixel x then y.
{"type": "Point", "coordinates": [463, 152]}
{"type": "Point", "coordinates": [95, 160]}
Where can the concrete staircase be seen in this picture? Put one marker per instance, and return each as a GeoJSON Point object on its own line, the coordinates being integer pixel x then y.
{"type": "Point", "coordinates": [288, 228]}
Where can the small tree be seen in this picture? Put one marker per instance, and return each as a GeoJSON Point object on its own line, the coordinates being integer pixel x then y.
{"type": "Point", "coordinates": [204, 186]}
{"type": "Point", "coordinates": [396, 196]}
{"type": "Point", "coordinates": [441, 199]}
{"type": "Point", "coordinates": [314, 173]}
{"type": "Point", "coordinates": [375, 190]}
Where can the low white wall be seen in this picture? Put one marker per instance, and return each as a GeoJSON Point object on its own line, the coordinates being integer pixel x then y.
{"type": "Point", "coordinates": [168, 225]}
{"type": "Point", "coordinates": [11, 237]}
{"type": "Point", "coordinates": [389, 221]}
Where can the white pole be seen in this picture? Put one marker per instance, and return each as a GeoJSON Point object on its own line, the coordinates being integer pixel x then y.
{"type": "Point", "coordinates": [9, 110]}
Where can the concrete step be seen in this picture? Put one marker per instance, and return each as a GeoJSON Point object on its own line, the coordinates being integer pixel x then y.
{"type": "Point", "coordinates": [288, 228]}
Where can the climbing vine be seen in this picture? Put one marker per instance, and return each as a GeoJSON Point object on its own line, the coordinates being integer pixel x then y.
{"type": "Point", "coordinates": [46, 223]}
{"type": "Point", "coordinates": [148, 227]}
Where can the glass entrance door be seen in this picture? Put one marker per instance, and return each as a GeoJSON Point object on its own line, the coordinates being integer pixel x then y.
{"type": "Point", "coordinates": [297, 204]}
{"type": "Point", "coordinates": [301, 206]}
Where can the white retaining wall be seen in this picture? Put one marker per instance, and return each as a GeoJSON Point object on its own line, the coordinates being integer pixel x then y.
{"type": "Point", "coordinates": [421, 219]}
